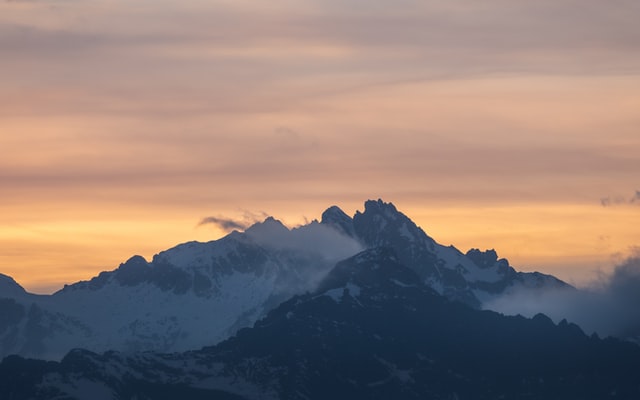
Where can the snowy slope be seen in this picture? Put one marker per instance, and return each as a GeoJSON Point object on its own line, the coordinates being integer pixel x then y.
{"type": "Point", "coordinates": [192, 295]}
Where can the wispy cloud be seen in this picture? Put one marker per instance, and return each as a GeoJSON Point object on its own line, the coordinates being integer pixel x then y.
{"type": "Point", "coordinates": [225, 224]}
{"type": "Point", "coordinates": [229, 224]}
{"type": "Point", "coordinates": [620, 200]}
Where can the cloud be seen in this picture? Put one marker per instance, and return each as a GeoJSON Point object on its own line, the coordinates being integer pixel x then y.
{"type": "Point", "coordinates": [620, 200]}
{"type": "Point", "coordinates": [315, 246]}
{"type": "Point", "coordinates": [313, 238]}
{"type": "Point", "coordinates": [609, 307]}
{"type": "Point", "coordinates": [38, 1]}
{"type": "Point", "coordinates": [228, 224]}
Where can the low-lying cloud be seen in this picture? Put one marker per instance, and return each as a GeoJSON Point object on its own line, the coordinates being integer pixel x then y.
{"type": "Point", "coordinates": [610, 307]}
{"type": "Point", "coordinates": [315, 247]}
{"type": "Point", "coordinates": [313, 238]}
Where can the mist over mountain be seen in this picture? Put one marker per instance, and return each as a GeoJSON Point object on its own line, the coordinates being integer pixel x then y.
{"type": "Point", "coordinates": [609, 307]}
{"type": "Point", "coordinates": [192, 295]}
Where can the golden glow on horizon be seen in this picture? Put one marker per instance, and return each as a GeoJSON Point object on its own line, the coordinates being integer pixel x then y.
{"type": "Point", "coordinates": [490, 125]}
{"type": "Point", "coordinates": [578, 241]}
{"type": "Point", "coordinates": [64, 252]}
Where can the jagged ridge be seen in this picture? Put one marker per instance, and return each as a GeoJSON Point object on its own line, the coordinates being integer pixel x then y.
{"type": "Point", "coordinates": [197, 294]}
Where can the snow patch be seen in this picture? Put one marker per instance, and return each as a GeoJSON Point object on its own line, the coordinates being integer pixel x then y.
{"type": "Point", "coordinates": [453, 259]}
{"type": "Point", "coordinates": [397, 282]}
{"type": "Point", "coordinates": [404, 232]}
{"type": "Point", "coordinates": [338, 294]}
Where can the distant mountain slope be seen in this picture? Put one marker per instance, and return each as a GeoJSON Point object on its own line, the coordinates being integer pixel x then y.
{"type": "Point", "coordinates": [371, 330]}
{"type": "Point", "coordinates": [197, 294]}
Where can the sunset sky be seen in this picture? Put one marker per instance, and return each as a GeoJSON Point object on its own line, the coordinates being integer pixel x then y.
{"type": "Point", "coordinates": [506, 124]}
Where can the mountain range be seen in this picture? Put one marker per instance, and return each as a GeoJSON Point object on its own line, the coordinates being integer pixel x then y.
{"type": "Point", "coordinates": [198, 294]}
{"type": "Point", "coordinates": [362, 307]}
{"type": "Point", "coordinates": [372, 329]}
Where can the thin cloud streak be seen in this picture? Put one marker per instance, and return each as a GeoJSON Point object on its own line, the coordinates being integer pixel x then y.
{"type": "Point", "coordinates": [226, 224]}
{"type": "Point", "coordinates": [610, 201]}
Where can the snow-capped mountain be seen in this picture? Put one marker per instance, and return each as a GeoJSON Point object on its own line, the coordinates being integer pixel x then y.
{"type": "Point", "coordinates": [372, 329]}
{"type": "Point", "coordinates": [192, 295]}
{"type": "Point", "coordinates": [197, 294]}
{"type": "Point", "coordinates": [472, 278]}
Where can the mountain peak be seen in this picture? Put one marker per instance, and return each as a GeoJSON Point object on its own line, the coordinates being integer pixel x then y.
{"type": "Point", "coordinates": [379, 206]}
{"type": "Point", "coordinates": [334, 213]}
{"type": "Point", "coordinates": [7, 280]}
{"type": "Point", "coordinates": [338, 219]}
{"type": "Point", "coordinates": [381, 224]}
{"type": "Point", "coordinates": [268, 227]}
{"type": "Point", "coordinates": [8, 286]}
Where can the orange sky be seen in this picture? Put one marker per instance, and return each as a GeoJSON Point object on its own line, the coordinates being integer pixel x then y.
{"type": "Point", "coordinates": [496, 125]}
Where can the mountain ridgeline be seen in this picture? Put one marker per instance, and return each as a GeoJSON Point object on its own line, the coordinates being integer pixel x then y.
{"type": "Point", "coordinates": [198, 294]}
{"type": "Point", "coordinates": [360, 307]}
